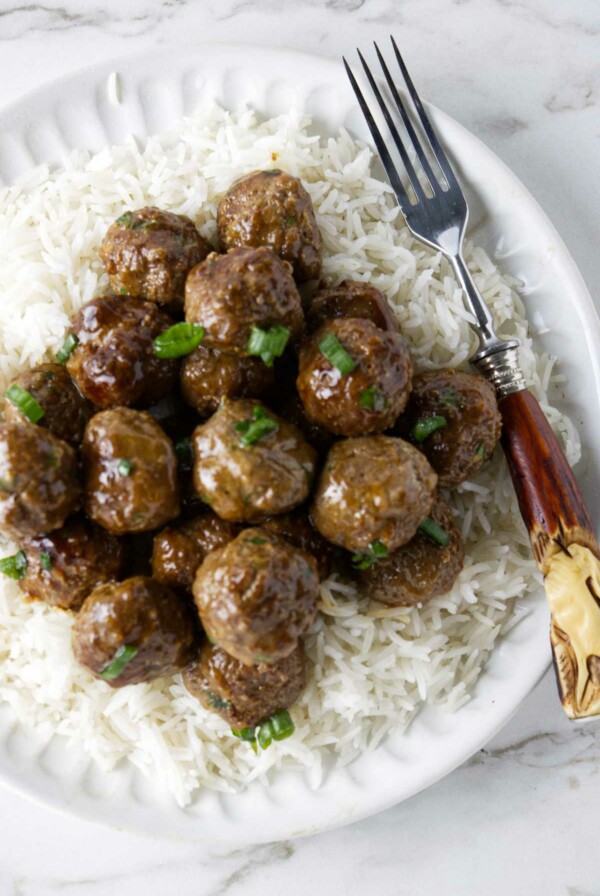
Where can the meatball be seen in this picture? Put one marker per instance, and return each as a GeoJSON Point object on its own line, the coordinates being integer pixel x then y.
{"type": "Point", "coordinates": [366, 398]}
{"type": "Point", "coordinates": [245, 695]}
{"type": "Point", "coordinates": [292, 409]}
{"type": "Point", "coordinates": [471, 428]}
{"type": "Point", "coordinates": [130, 472]}
{"type": "Point", "coordinates": [272, 208]}
{"type": "Point", "coordinates": [257, 596]}
{"type": "Point", "coordinates": [39, 480]}
{"type": "Point", "coordinates": [66, 411]}
{"type": "Point", "coordinates": [208, 376]}
{"type": "Point", "coordinates": [297, 528]}
{"type": "Point", "coordinates": [64, 566]}
{"type": "Point", "coordinates": [178, 550]}
{"type": "Point", "coordinates": [250, 464]}
{"type": "Point", "coordinates": [133, 631]}
{"type": "Point", "coordinates": [229, 294]}
{"type": "Point", "coordinates": [148, 254]}
{"type": "Point", "coordinates": [351, 298]}
{"type": "Point", "coordinates": [420, 569]}
{"type": "Point", "coordinates": [373, 489]}
{"type": "Point", "coordinates": [174, 416]}
{"type": "Point", "coordinates": [114, 362]}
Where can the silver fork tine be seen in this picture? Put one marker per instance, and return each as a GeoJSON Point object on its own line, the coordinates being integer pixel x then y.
{"type": "Point", "coordinates": [389, 166]}
{"type": "Point", "coordinates": [412, 174]}
{"type": "Point", "coordinates": [433, 183]}
{"type": "Point", "coordinates": [427, 126]}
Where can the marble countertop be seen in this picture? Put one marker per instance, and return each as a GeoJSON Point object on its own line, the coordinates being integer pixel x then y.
{"type": "Point", "coordinates": [521, 815]}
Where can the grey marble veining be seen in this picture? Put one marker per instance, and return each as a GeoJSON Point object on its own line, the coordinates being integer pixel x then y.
{"type": "Point", "coordinates": [521, 816]}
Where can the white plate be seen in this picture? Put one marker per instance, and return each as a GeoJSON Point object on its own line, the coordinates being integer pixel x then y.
{"type": "Point", "coordinates": [156, 89]}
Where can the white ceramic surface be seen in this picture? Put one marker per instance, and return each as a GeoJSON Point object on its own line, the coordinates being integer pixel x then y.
{"type": "Point", "coordinates": [156, 89]}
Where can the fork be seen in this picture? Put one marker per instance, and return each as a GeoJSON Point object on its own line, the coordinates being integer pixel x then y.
{"type": "Point", "coordinates": [559, 524]}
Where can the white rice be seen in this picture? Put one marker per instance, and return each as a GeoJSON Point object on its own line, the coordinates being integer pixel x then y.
{"type": "Point", "coordinates": [370, 667]}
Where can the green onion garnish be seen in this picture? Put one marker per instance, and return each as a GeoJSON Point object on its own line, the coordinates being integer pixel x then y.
{"type": "Point", "coordinates": [268, 344]}
{"type": "Point", "coordinates": [69, 346]}
{"type": "Point", "coordinates": [178, 340]}
{"type": "Point", "coordinates": [124, 467]}
{"type": "Point", "coordinates": [122, 657]}
{"type": "Point", "coordinates": [426, 427]}
{"type": "Point", "coordinates": [45, 561]}
{"type": "Point", "coordinates": [372, 399]}
{"type": "Point", "coordinates": [253, 430]}
{"type": "Point", "coordinates": [377, 551]}
{"type": "Point", "coordinates": [278, 727]}
{"type": "Point", "coordinates": [480, 451]}
{"type": "Point", "coordinates": [336, 354]}
{"type": "Point", "coordinates": [184, 453]}
{"type": "Point", "coordinates": [434, 532]}
{"type": "Point", "coordinates": [215, 701]}
{"type": "Point", "coordinates": [246, 734]}
{"type": "Point", "coordinates": [25, 402]}
{"type": "Point", "coordinates": [15, 566]}
{"type": "Point", "coordinates": [125, 220]}
{"type": "Point", "coordinates": [256, 540]}
{"type": "Point", "coordinates": [448, 398]}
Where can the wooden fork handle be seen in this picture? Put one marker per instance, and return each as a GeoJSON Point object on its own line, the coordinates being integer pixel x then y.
{"type": "Point", "coordinates": [564, 546]}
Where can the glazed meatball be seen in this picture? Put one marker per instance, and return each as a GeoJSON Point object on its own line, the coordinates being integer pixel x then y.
{"type": "Point", "coordinates": [148, 254]}
{"type": "Point", "coordinates": [351, 298]}
{"type": "Point", "coordinates": [133, 631]}
{"type": "Point", "coordinates": [229, 294]}
{"type": "Point", "coordinates": [373, 489]}
{"type": "Point", "coordinates": [64, 566]}
{"type": "Point", "coordinates": [114, 362]}
{"type": "Point", "coordinates": [297, 528]}
{"type": "Point", "coordinates": [257, 596]}
{"type": "Point", "coordinates": [208, 376]}
{"type": "Point", "coordinates": [365, 399]}
{"type": "Point", "coordinates": [420, 569]}
{"type": "Point", "coordinates": [130, 472]}
{"type": "Point", "coordinates": [66, 411]}
{"type": "Point", "coordinates": [272, 208]}
{"type": "Point", "coordinates": [178, 550]}
{"type": "Point", "coordinates": [472, 422]}
{"type": "Point", "coordinates": [250, 464]}
{"type": "Point", "coordinates": [39, 480]}
{"type": "Point", "coordinates": [245, 695]}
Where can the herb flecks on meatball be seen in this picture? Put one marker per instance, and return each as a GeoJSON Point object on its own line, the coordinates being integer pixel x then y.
{"type": "Point", "coordinates": [257, 596]}
{"type": "Point", "coordinates": [148, 253]}
{"type": "Point", "coordinates": [245, 695]}
{"type": "Point", "coordinates": [133, 631]}
{"type": "Point", "coordinates": [130, 472]}
{"type": "Point", "coordinates": [354, 378]}
{"type": "Point", "coordinates": [39, 480]}
{"type": "Point", "coordinates": [241, 295]}
{"type": "Point", "coordinates": [272, 208]}
{"type": "Point", "coordinates": [372, 491]}
{"type": "Point", "coordinates": [250, 464]}
{"type": "Point", "coordinates": [114, 362]}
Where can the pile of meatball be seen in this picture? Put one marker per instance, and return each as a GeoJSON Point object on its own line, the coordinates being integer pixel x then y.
{"type": "Point", "coordinates": [209, 445]}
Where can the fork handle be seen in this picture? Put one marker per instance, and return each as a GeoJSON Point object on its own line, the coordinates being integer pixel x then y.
{"type": "Point", "coordinates": [564, 546]}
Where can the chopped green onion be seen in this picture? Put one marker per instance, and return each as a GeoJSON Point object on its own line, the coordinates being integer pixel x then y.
{"type": "Point", "coordinates": [268, 344]}
{"type": "Point", "coordinates": [69, 346]}
{"type": "Point", "coordinates": [25, 402]}
{"type": "Point", "coordinates": [253, 430]}
{"type": "Point", "coordinates": [125, 220]}
{"type": "Point", "coordinates": [124, 467]}
{"type": "Point", "coordinates": [15, 566]}
{"type": "Point", "coordinates": [256, 540]}
{"type": "Point", "coordinates": [377, 551]}
{"type": "Point", "coordinates": [122, 657]}
{"type": "Point", "coordinates": [336, 354]}
{"type": "Point", "coordinates": [215, 701]}
{"type": "Point", "coordinates": [122, 292]}
{"type": "Point", "coordinates": [246, 734]}
{"type": "Point", "coordinates": [448, 398]}
{"type": "Point", "coordinates": [184, 452]}
{"type": "Point", "coordinates": [278, 727]}
{"type": "Point", "coordinates": [178, 340]}
{"type": "Point", "coordinates": [372, 399]}
{"type": "Point", "coordinates": [272, 171]}
{"type": "Point", "coordinates": [45, 561]}
{"type": "Point", "coordinates": [480, 451]}
{"type": "Point", "coordinates": [434, 532]}
{"type": "Point", "coordinates": [426, 427]}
